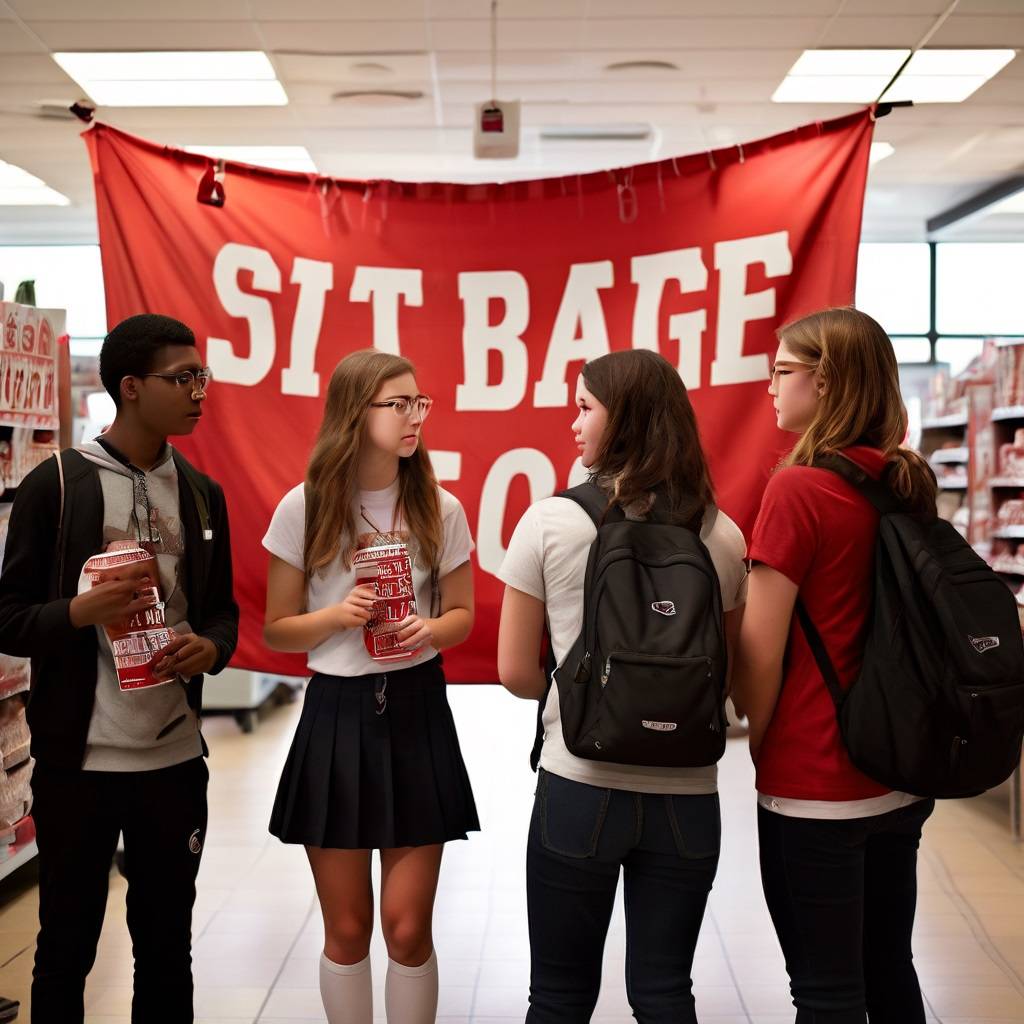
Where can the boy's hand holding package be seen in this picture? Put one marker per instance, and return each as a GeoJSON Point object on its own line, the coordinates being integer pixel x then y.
{"type": "Point", "coordinates": [116, 599]}
{"type": "Point", "coordinates": [187, 655]}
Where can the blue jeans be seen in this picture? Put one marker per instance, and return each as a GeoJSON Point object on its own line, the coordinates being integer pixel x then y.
{"type": "Point", "coordinates": [580, 836]}
{"type": "Point", "coordinates": [842, 896]}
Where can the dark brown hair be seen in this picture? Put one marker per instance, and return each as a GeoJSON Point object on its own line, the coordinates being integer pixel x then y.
{"type": "Point", "coordinates": [651, 443]}
{"type": "Point", "coordinates": [861, 401]}
{"type": "Point", "coordinates": [332, 477]}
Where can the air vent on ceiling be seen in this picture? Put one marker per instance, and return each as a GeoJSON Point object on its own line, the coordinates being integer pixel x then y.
{"type": "Point", "coordinates": [642, 65]}
{"type": "Point", "coordinates": [595, 132]}
{"type": "Point", "coordinates": [378, 97]}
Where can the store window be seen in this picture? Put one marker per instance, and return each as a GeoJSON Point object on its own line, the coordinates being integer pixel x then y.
{"type": "Point", "coordinates": [957, 352]}
{"type": "Point", "coordinates": [978, 288]}
{"type": "Point", "coordinates": [893, 286]}
{"type": "Point", "coordinates": [66, 277]}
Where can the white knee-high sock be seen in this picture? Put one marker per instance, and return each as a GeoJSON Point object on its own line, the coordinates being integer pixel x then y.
{"type": "Point", "coordinates": [410, 993]}
{"type": "Point", "coordinates": [347, 991]}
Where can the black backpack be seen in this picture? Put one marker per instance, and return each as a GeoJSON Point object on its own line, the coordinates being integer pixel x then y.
{"type": "Point", "coordinates": [938, 707]}
{"type": "Point", "coordinates": [644, 683]}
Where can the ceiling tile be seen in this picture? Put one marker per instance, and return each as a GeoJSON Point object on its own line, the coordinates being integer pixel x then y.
{"type": "Point", "coordinates": [980, 31]}
{"type": "Point", "coordinates": [702, 33]}
{"type": "Point", "coordinates": [878, 31]}
{"type": "Point", "coordinates": [345, 36]}
{"type": "Point", "coordinates": [508, 10]}
{"type": "Point", "coordinates": [146, 35]}
{"type": "Point", "coordinates": [521, 34]}
{"type": "Point", "coordinates": [131, 10]}
{"type": "Point", "coordinates": [337, 10]}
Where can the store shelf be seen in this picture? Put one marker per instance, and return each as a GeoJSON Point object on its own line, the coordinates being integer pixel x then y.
{"type": "Point", "coordinates": [945, 455]}
{"type": "Point", "coordinates": [1007, 481]}
{"type": "Point", "coordinates": [953, 483]}
{"type": "Point", "coordinates": [1008, 412]}
{"type": "Point", "coordinates": [956, 419]}
{"type": "Point", "coordinates": [1009, 533]}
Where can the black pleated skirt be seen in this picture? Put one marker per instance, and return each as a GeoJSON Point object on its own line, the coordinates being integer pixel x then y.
{"type": "Point", "coordinates": [358, 780]}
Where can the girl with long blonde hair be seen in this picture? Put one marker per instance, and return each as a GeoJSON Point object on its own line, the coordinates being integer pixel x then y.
{"type": "Point", "coordinates": [370, 574]}
{"type": "Point", "coordinates": [838, 850]}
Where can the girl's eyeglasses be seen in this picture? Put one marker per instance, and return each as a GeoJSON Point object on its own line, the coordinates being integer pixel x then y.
{"type": "Point", "coordinates": [404, 407]}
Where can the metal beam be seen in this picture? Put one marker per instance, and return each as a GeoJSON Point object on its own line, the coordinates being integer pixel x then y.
{"type": "Point", "coordinates": [976, 204]}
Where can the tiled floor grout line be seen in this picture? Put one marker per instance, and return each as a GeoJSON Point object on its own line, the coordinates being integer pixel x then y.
{"type": "Point", "coordinates": [728, 964]}
{"type": "Point", "coordinates": [963, 905]}
{"type": "Point", "coordinates": [286, 958]}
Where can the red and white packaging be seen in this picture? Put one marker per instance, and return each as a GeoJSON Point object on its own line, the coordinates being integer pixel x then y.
{"type": "Point", "coordinates": [137, 641]}
{"type": "Point", "coordinates": [388, 569]}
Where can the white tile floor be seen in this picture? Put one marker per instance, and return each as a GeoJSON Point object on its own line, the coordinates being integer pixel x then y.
{"type": "Point", "coordinates": [258, 933]}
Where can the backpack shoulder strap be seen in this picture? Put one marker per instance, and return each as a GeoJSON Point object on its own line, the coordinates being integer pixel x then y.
{"type": "Point", "coordinates": [874, 490]}
{"type": "Point", "coordinates": [60, 525]}
{"type": "Point", "coordinates": [821, 658]}
{"type": "Point", "coordinates": [200, 488]}
{"type": "Point", "coordinates": [594, 502]}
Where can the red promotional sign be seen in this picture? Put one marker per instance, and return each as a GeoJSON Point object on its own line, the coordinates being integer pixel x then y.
{"type": "Point", "coordinates": [497, 293]}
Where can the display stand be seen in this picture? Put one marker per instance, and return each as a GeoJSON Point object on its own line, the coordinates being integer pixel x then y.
{"type": "Point", "coordinates": [985, 434]}
{"type": "Point", "coordinates": [34, 423]}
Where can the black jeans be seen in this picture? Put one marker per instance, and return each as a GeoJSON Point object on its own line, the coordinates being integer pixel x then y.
{"type": "Point", "coordinates": [842, 896]}
{"type": "Point", "coordinates": [579, 838]}
{"type": "Point", "coordinates": [78, 817]}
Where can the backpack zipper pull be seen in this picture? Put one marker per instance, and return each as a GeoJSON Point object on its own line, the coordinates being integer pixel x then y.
{"type": "Point", "coordinates": [583, 669]}
{"type": "Point", "coordinates": [606, 673]}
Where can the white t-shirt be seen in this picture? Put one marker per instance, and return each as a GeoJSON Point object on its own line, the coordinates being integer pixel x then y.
{"type": "Point", "coordinates": [547, 559]}
{"type": "Point", "coordinates": [344, 653]}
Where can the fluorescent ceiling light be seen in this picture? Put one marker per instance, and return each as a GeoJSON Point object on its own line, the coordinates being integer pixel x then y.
{"type": "Point", "coordinates": [830, 88]}
{"type": "Point", "coordinates": [232, 78]}
{"type": "Point", "coordinates": [959, 62]}
{"type": "Point", "coordinates": [839, 76]}
{"type": "Point", "coordinates": [947, 76]}
{"type": "Point", "coordinates": [880, 150]}
{"type": "Point", "coordinates": [19, 188]}
{"type": "Point", "coordinates": [634, 131]}
{"type": "Point", "coordinates": [168, 65]}
{"type": "Point", "coordinates": [859, 76]}
{"type": "Point", "coordinates": [283, 158]}
{"type": "Point", "coordinates": [849, 62]}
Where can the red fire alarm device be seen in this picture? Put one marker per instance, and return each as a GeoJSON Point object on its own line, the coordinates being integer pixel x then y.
{"type": "Point", "coordinates": [496, 130]}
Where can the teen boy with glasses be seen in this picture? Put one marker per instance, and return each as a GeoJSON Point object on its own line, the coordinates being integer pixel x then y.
{"type": "Point", "coordinates": [110, 761]}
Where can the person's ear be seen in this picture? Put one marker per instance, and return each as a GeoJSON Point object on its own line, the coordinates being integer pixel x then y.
{"type": "Point", "coordinates": [129, 389]}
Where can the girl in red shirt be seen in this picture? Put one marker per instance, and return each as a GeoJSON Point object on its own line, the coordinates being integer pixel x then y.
{"type": "Point", "coordinates": [838, 850]}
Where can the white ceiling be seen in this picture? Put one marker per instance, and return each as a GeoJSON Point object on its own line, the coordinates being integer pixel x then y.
{"type": "Point", "coordinates": [553, 55]}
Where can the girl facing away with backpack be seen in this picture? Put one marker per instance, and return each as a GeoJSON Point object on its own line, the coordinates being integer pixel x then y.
{"type": "Point", "coordinates": [838, 851]}
{"type": "Point", "coordinates": [375, 762]}
{"type": "Point", "coordinates": [637, 434]}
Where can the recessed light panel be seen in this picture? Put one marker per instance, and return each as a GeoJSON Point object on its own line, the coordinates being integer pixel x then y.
{"type": "Point", "coordinates": [166, 78]}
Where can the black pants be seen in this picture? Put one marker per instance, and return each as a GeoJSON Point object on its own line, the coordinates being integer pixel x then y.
{"type": "Point", "coordinates": [580, 836]}
{"type": "Point", "coordinates": [842, 896]}
{"type": "Point", "coordinates": [78, 817]}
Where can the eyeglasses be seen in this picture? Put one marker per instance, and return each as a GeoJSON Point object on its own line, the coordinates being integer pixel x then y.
{"type": "Point", "coordinates": [196, 380]}
{"type": "Point", "coordinates": [404, 407]}
{"type": "Point", "coordinates": [783, 371]}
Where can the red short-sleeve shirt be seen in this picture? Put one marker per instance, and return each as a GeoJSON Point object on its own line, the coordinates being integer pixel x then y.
{"type": "Point", "coordinates": [818, 531]}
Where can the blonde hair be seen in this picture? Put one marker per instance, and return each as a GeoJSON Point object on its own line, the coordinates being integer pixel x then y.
{"type": "Point", "coordinates": [332, 477]}
{"type": "Point", "coordinates": [860, 402]}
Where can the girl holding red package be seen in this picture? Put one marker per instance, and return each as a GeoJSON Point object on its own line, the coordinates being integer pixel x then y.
{"type": "Point", "coordinates": [370, 574]}
{"type": "Point", "coordinates": [838, 850]}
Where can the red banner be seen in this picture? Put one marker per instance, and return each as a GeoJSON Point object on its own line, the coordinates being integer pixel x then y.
{"type": "Point", "coordinates": [497, 293]}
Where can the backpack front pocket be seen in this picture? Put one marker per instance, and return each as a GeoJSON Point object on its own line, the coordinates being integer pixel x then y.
{"type": "Point", "coordinates": [657, 710]}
